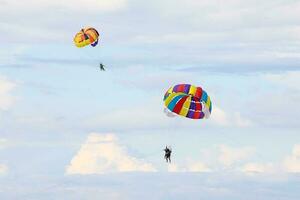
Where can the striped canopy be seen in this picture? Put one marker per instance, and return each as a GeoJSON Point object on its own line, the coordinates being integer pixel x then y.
{"type": "Point", "coordinates": [189, 101]}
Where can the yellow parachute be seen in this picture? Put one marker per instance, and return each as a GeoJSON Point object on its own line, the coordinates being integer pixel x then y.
{"type": "Point", "coordinates": [87, 36]}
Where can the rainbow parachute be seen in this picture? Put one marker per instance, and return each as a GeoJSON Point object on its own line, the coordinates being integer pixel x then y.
{"type": "Point", "coordinates": [87, 36]}
{"type": "Point", "coordinates": [188, 101]}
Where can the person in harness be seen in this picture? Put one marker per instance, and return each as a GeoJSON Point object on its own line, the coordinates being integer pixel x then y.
{"type": "Point", "coordinates": [102, 67]}
{"type": "Point", "coordinates": [168, 152]}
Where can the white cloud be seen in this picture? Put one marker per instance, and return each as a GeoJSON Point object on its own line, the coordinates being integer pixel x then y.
{"type": "Point", "coordinates": [6, 99]}
{"type": "Point", "coordinates": [191, 166]}
{"type": "Point", "coordinates": [229, 155]}
{"type": "Point", "coordinates": [101, 153]}
{"type": "Point", "coordinates": [219, 116]}
{"type": "Point", "coordinates": [225, 118]}
{"type": "Point", "coordinates": [232, 158]}
{"type": "Point", "coordinates": [3, 169]}
{"type": "Point", "coordinates": [198, 167]}
{"type": "Point", "coordinates": [253, 168]}
{"type": "Point", "coordinates": [173, 168]}
{"type": "Point", "coordinates": [292, 162]}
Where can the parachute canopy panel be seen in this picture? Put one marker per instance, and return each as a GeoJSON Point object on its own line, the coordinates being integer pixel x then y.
{"type": "Point", "coordinates": [87, 36]}
{"type": "Point", "coordinates": [188, 101]}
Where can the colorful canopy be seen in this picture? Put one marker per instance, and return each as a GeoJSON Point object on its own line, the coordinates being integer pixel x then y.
{"type": "Point", "coordinates": [188, 101]}
{"type": "Point", "coordinates": [87, 36]}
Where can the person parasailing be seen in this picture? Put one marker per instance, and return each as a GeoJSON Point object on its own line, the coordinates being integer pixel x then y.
{"type": "Point", "coordinates": [168, 152]}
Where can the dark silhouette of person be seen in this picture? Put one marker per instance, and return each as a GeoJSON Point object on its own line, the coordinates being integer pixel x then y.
{"type": "Point", "coordinates": [102, 67]}
{"type": "Point", "coordinates": [168, 152]}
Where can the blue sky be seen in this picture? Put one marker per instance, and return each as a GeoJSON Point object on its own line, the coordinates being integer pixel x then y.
{"type": "Point", "coordinates": [77, 132]}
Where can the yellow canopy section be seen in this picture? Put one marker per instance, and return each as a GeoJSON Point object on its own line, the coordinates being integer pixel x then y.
{"type": "Point", "coordinates": [87, 36]}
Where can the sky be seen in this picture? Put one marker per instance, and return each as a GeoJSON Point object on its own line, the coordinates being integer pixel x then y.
{"type": "Point", "coordinates": [70, 131]}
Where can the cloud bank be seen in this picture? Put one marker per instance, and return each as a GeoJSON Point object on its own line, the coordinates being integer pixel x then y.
{"type": "Point", "coordinates": [292, 162]}
{"type": "Point", "coordinates": [101, 154]}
